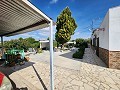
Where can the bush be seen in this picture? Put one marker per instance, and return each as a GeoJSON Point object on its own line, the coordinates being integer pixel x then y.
{"type": "Point", "coordinates": [81, 42]}
{"type": "Point", "coordinates": [79, 54]}
{"type": "Point", "coordinates": [85, 44]}
{"type": "Point", "coordinates": [81, 48]}
{"type": "Point", "coordinates": [39, 50]}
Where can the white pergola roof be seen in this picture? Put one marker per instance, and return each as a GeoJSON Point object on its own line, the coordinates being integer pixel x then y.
{"type": "Point", "coordinates": [20, 16]}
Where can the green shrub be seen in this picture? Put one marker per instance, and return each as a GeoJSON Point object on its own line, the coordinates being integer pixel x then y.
{"type": "Point", "coordinates": [76, 55]}
{"type": "Point", "coordinates": [81, 42]}
{"type": "Point", "coordinates": [79, 54]}
{"type": "Point", "coordinates": [39, 50]}
{"type": "Point", "coordinates": [85, 44]}
{"type": "Point", "coordinates": [81, 48]}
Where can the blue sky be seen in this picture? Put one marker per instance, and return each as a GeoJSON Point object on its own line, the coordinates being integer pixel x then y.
{"type": "Point", "coordinates": [83, 11]}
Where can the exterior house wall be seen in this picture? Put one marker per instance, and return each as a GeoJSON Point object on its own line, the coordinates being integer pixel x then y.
{"type": "Point", "coordinates": [114, 30]}
{"type": "Point", "coordinates": [114, 38]}
{"type": "Point", "coordinates": [92, 36]}
{"type": "Point", "coordinates": [45, 45]}
{"type": "Point", "coordinates": [104, 40]}
{"type": "Point", "coordinates": [104, 35]}
{"type": "Point", "coordinates": [109, 40]}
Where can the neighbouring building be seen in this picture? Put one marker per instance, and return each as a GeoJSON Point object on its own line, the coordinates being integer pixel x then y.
{"type": "Point", "coordinates": [106, 39]}
{"type": "Point", "coordinates": [44, 44]}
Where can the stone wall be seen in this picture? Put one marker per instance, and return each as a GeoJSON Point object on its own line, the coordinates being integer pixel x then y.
{"type": "Point", "coordinates": [104, 55]}
{"type": "Point", "coordinates": [114, 59]}
{"type": "Point", "coordinates": [110, 58]}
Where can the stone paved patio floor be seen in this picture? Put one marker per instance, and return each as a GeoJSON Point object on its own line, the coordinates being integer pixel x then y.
{"type": "Point", "coordinates": [89, 73]}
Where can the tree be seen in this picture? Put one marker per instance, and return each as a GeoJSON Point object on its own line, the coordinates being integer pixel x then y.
{"type": "Point", "coordinates": [22, 43]}
{"type": "Point", "coordinates": [54, 44]}
{"type": "Point", "coordinates": [30, 39]}
{"type": "Point", "coordinates": [88, 40]}
{"type": "Point", "coordinates": [48, 38]}
{"type": "Point", "coordinates": [20, 38]}
{"type": "Point", "coordinates": [81, 42]}
{"type": "Point", "coordinates": [65, 26]}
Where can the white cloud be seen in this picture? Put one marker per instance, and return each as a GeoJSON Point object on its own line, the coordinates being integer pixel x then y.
{"type": "Point", "coordinates": [79, 34]}
{"type": "Point", "coordinates": [26, 34]}
{"type": "Point", "coordinates": [38, 34]}
{"type": "Point", "coordinates": [29, 34]}
{"type": "Point", "coordinates": [53, 1]}
{"type": "Point", "coordinates": [76, 35]}
{"type": "Point", "coordinates": [46, 31]}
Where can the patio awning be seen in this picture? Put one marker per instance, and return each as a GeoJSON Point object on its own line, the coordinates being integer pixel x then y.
{"type": "Point", "coordinates": [20, 16]}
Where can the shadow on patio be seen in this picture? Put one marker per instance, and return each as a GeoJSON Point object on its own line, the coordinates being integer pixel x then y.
{"type": "Point", "coordinates": [39, 78]}
{"type": "Point", "coordinates": [11, 70]}
{"type": "Point", "coordinates": [89, 57]}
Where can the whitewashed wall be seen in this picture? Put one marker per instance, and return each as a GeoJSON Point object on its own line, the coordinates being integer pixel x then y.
{"type": "Point", "coordinates": [92, 36]}
{"type": "Point", "coordinates": [103, 35]}
{"type": "Point", "coordinates": [114, 29]}
{"type": "Point", "coordinates": [110, 38]}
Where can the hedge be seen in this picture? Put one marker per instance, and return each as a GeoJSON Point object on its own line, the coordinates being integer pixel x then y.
{"type": "Point", "coordinates": [81, 42]}
{"type": "Point", "coordinates": [79, 54]}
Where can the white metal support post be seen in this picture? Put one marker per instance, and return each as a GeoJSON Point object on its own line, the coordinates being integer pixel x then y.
{"type": "Point", "coordinates": [2, 44]}
{"type": "Point", "coordinates": [51, 56]}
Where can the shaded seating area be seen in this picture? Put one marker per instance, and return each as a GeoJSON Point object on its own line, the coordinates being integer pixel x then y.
{"type": "Point", "coordinates": [20, 16]}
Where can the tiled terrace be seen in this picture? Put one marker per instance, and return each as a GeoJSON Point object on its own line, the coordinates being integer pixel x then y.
{"type": "Point", "coordinates": [89, 73]}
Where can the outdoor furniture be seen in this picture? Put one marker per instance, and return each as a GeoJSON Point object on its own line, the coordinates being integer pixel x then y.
{"type": "Point", "coordinates": [14, 56]}
{"type": "Point", "coordinates": [21, 16]}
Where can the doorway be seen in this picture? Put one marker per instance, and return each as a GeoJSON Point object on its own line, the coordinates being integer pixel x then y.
{"type": "Point", "coordinates": [97, 47]}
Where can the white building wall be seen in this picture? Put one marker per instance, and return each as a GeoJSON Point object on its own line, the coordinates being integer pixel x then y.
{"type": "Point", "coordinates": [114, 29]}
{"type": "Point", "coordinates": [104, 35]}
{"type": "Point", "coordinates": [92, 36]}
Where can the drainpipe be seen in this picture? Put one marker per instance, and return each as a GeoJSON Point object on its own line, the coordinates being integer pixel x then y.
{"type": "Point", "coordinates": [51, 56]}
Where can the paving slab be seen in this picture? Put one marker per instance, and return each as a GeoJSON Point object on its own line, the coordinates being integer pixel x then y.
{"type": "Point", "coordinates": [89, 73]}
